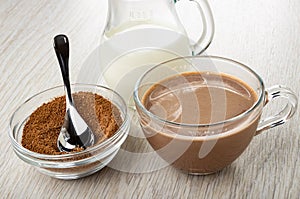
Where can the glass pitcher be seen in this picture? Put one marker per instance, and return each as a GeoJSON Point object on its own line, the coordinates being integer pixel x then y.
{"type": "Point", "coordinates": [141, 33]}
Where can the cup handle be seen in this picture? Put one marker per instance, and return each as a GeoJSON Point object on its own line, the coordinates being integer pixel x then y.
{"type": "Point", "coordinates": [208, 27]}
{"type": "Point", "coordinates": [285, 114]}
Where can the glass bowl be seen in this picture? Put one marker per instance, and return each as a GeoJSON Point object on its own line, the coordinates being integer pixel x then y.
{"type": "Point", "coordinates": [72, 165]}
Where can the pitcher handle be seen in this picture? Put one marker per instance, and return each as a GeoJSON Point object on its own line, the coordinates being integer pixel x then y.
{"type": "Point", "coordinates": [286, 113]}
{"type": "Point", "coordinates": [208, 27]}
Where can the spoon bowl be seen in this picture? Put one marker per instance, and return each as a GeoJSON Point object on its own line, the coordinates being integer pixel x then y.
{"type": "Point", "coordinates": [70, 165]}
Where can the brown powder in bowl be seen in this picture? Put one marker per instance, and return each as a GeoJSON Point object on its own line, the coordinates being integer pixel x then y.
{"type": "Point", "coordinates": [41, 131]}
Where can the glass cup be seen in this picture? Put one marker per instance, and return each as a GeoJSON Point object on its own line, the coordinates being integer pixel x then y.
{"type": "Point", "coordinates": [204, 148]}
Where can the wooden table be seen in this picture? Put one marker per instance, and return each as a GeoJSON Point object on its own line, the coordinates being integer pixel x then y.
{"type": "Point", "coordinates": [262, 34]}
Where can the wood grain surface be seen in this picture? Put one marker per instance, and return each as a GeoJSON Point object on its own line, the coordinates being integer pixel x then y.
{"type": "Point", "coordinates": [264, 34]}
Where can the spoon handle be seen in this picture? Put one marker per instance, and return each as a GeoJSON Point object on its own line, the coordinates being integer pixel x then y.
{"type": "Point", "coordinates": [61, 46]}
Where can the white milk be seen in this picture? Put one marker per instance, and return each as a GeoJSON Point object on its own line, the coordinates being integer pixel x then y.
{"type": "Point", "coordinates": [125, 57]}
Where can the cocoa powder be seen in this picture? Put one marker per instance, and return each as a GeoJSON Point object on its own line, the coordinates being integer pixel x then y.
{"type": "Point", "coordinates": [41, 131]}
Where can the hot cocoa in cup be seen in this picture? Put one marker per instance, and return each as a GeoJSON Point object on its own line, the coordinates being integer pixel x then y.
{"type": "Point", "coordinates": [200, 113]}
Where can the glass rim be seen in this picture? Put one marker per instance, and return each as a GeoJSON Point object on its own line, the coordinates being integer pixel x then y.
{"type": "Point", "coordinates": [27, 152]}
{"type": "Point", "coordinates": [193, 125]}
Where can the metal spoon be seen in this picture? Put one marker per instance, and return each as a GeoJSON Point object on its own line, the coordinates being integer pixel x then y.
{"type": "Point", "coordinates": [75, 132]}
